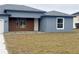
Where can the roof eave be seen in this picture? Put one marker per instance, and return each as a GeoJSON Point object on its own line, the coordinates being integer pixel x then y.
{"type": "Point", "coordinates": [59, 15]}
{"type": "Point", "coordinates": [5, 15]}
{"type": "Point", "coordinates": [25, 11]}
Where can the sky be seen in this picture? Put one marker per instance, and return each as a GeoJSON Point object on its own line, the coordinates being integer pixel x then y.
{"type": "Point", "coordinates": [53, 5]}
{"type": "Point", "coordinates": [66, 8]}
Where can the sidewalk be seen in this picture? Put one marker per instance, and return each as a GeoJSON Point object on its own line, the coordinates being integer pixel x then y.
{"type": "Point", "coordinates": [2, 45]}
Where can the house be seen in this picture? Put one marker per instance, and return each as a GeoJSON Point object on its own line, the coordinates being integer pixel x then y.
{"type": "Point", "coordinates": [55, 21]}
{"type": "Point", "coordinates": [23, 18]}
{"type": "Point", "coordinates": [76, 20]}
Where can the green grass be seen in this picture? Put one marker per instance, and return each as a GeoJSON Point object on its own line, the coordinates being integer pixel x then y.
{"type": "Point", "coordinates": [42, 43]}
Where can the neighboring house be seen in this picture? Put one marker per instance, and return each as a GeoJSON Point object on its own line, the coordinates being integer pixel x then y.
{"type": "Point", "coordinates": [23, 18]}
{"type": "Point", "coordinates": [76, 20]}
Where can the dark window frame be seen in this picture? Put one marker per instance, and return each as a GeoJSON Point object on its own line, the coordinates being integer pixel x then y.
{"type": "Point", "coordinates": [60, 23]}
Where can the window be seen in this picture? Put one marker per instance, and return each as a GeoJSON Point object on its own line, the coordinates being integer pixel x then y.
{"type": "Point", "coordinates": [21, 23]}
{"type": "Point", "coordinates": [60, 23]}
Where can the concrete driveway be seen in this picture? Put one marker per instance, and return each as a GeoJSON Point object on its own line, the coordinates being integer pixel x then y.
{"type": "Point", "coordinates": [2, 45]}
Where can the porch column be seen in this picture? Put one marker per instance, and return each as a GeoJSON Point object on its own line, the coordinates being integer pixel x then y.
{"type": "Point", "coordinates": [36, 24]}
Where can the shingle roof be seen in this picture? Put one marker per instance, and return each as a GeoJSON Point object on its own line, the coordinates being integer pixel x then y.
{"type": "Point", "coordinates": [56, 13]}
{"type": "Point", "coordinates": [76, 14]}
{"type": "Point", "coordinates": [17, 7]}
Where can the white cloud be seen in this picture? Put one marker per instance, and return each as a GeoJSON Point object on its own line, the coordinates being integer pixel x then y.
{"type": "Point", "coordinates": [39, 2]}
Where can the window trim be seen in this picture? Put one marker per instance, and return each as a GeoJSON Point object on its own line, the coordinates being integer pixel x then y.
{"type": "Point", "coordinates": [57, 23]}
{"type": "Point", "coordinates": [20, 20]}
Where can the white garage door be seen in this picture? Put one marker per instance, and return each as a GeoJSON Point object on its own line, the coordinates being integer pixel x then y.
{"type": "Point", "coordinates": [1, 26]}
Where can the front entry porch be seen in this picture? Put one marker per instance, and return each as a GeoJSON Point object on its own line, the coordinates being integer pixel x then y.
{"type": "Point", "coordinates": [23, 24]}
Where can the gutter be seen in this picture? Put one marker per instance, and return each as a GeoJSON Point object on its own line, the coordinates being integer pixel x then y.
{"type": "Point", "coordinates": [25, 11]}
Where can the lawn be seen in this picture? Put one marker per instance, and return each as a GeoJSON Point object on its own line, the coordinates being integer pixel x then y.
{"type": "Point", "coordinates": [42, 43]}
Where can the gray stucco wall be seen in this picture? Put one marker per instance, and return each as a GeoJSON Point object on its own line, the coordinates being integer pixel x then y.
{"type": "Point", "coordinates": [5, 20]}
{"type": "Point", "coordinates": [48, 24]}
{"type": "Point", "coordinates": [18, 14]}
{"type": "Point", "coordinates": [25, 14]}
